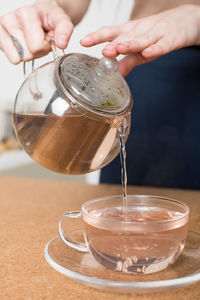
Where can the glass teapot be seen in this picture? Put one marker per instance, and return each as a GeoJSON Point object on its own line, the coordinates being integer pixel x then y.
{"type": "Point", "coordinates": [68, 113]}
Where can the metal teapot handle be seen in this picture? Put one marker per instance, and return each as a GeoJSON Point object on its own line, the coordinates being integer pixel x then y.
{"type": "Point", "coordinates": [24, 67]}
{"type": "Point", "coordinates": [50, 39]}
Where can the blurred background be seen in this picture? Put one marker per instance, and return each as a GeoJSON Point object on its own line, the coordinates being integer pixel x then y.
{"type": "Point", "coordinates": [13, 160]}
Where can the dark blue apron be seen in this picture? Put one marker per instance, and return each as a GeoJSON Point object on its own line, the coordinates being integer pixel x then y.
{"type": "Point", "coordinates": [163, 148]}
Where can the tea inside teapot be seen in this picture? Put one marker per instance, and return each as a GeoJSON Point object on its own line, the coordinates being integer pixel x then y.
{"type": "Point", "coordinates": [71, 128]}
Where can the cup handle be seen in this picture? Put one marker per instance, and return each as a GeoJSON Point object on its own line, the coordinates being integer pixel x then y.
{"type": "Point", "coordinates": [66, 234]}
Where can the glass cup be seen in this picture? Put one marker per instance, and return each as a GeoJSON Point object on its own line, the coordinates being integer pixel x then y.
{"type": "Point", "coordinates": [150, 237]}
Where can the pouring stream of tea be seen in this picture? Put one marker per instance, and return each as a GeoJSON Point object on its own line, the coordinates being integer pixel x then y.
{"type": "Point", "coordinates": [120, 132]}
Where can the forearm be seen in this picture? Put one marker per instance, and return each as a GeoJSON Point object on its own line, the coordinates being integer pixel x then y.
{"type": "Point", "coordinates": [75, 9]}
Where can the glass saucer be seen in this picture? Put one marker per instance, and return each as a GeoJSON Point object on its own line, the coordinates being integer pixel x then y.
{"type": "Point", "coordinates": [82, 267]}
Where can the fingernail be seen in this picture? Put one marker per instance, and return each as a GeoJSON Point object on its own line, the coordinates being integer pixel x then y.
{"type": "Point", "coordinates": [86, 40]}
{"type": "Point", "coordinates": [125, 45]}
{"type": "Point", "coordinates": [108, 47]}
{"type": "Point", "coordinates": [62, 40]}
{"type": "Point", "coordinates": [148, 50]}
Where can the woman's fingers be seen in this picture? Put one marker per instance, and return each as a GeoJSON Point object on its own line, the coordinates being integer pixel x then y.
{"type": "Point", "coordinates": [63, 31]}
{"type": "Point", "coordinates": [110, 50]}
{"type": "Point", "coordinates": [55, 19]}
{"type": "Point", "coordinates": [141, 51]}
{"type": "Point", "coordinates": [23, 31]}
{"type": "Point", "coordinates": [14, 29]}
{"type": "Point", "coordinates": [163, 46]}
{"type": "Point", "coordinates": [137, 44]}
{"type": "Point", "coordinates": [150, 37]}
{"type": "Point", "coordinates": [131, 61]}
{"type": "Point", "coordinates": [22, 41]}
{"type": "Point", "coordinates": [122, 45]}
{"type": "Point", "coordinates": [8, 47]}
{"type": "Point", "coordinates": [124, 39]}
{"type": "Point", "coordinates": [34, 36]}
{"type": "Point", "coordinates": [104, 34]}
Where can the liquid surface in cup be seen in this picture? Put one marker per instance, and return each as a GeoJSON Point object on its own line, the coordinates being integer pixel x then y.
{"type": "Point", "coordinates": [70, 144]}
{"type": "Point", "coordinates": [135, 251]}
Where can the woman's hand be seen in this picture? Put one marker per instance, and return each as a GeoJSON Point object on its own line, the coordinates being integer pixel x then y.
{"type": "Point", "coordinates": [23, 31]}
{"type": "Point", "coordinates": [148, 38]}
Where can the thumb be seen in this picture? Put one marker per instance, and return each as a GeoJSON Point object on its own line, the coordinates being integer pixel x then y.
{"type": "Point", "coordinates": [63, 30]}
{"type": "Point", "coordinates": [131, 61]}
{"type": "Point", "coordinates": [58, 23]}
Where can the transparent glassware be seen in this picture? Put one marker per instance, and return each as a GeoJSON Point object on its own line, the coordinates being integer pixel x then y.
{"type": "Point", "coordinates": [149, 236]}
{"type": "Point", "coordinates": [82, 267]}
{"type": "Point", "coordinates": [69, 255]}
{"type": "Point", "coordinates": [67, 113]}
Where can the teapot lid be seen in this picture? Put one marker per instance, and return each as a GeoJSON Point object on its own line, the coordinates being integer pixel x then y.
{"type": "Point", "coordinates": [94, 83]}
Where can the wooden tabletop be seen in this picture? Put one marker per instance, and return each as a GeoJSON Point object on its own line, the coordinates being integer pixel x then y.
{"type": "Point", "coordinates": [29, 214]}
